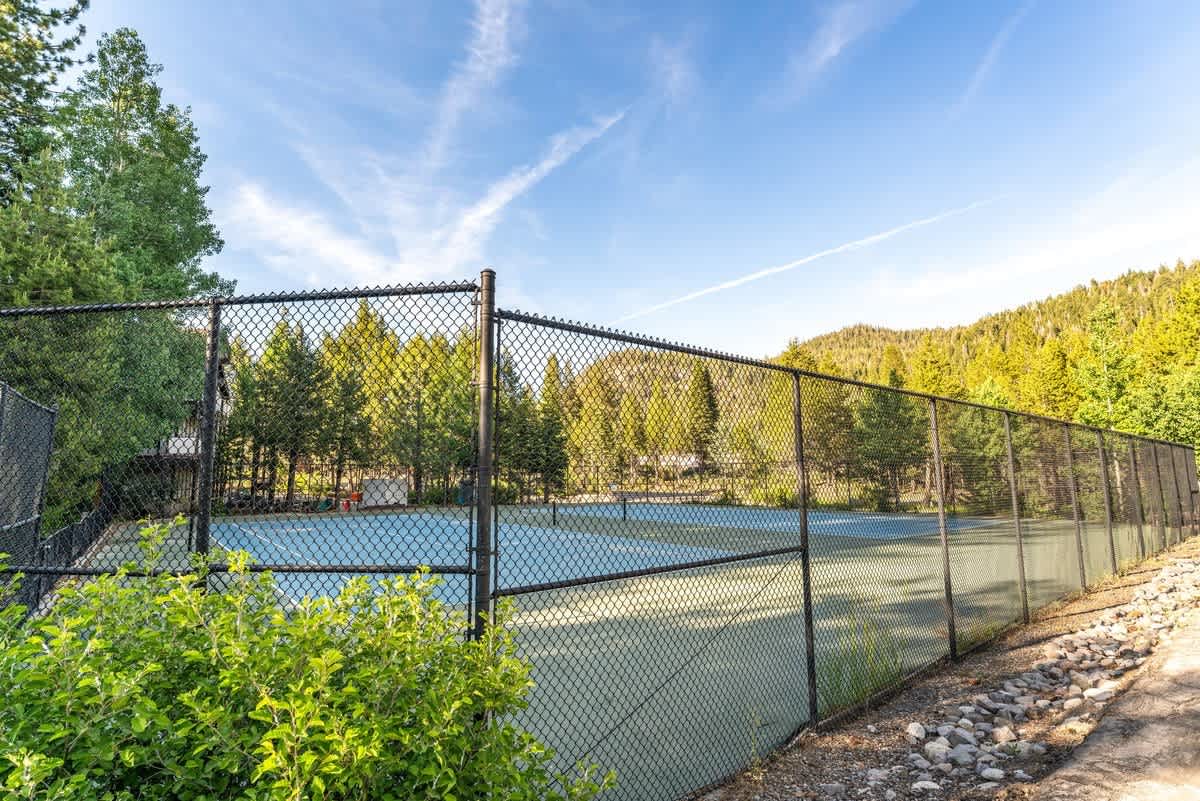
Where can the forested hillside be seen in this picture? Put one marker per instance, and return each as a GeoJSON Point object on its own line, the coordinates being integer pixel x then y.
{"type": "Point", "coordinates": [1119, 353]}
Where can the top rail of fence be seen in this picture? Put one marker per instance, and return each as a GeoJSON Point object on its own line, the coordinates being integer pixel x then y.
{"type": "Point", "coordinates": [631, 338]}
{"type": "Point", "coordinates": [6, 389]}
{"type": "Point", "coordinates": [245, 300]}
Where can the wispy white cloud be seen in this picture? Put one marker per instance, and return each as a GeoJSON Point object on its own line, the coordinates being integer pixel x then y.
{"type": "Point", "coordinates": [490, 53]}
{"type": "Point", "coordinates": [984, 68]}
{"type": "Point", "coordinates": [411, 245]}
{"type": "Point", "coordinates": [857, 244]}
{"type": "Point", "coordinates": [290, 237]}
{"type": "Point", "coordinates": [842, 23]}
{"type": "Point", "coordinates": [674, 77]}
{"type": "Point", "coordinates": [399, 220]}
{"type": "Point", "coordinates": [462, 242]}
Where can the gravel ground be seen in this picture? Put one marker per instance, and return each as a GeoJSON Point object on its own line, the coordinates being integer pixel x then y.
{"type": "Point", "coordinates": [1027, 701]}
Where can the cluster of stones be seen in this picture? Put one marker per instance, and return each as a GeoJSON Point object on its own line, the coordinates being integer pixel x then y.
{"type": "Point", "coordinates": [980, 743]}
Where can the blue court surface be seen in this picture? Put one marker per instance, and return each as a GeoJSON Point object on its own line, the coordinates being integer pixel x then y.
{"type": "Point", "coordinates": [538, 545]}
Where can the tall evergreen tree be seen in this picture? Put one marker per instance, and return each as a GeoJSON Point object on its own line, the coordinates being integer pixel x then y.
{"type": "Point", "coordinates": [37, 44]}
{"type": "Point", "coordinates": [701, 413]}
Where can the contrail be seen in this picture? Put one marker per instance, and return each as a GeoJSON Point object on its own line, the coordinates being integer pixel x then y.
{"type": "Point", "coordinates": [791, 265]}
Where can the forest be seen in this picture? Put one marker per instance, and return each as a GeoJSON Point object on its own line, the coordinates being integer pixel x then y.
{"type": "Point", "coordinates": [1117, 354]}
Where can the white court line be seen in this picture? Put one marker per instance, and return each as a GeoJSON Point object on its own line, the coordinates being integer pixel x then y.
{"type": "Point", "coordinates": [269, 541]}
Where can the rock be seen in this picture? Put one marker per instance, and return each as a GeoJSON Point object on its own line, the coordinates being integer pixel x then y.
{"type": "Point", "coordinates": [1022, 776]}
{"type": "Point", "coordinates": [959, 735]}
{"type": "Point", "coordinates": [872, 730]}
{"type": "Point", "coordinates": [1003, 735]}
{"type": "Point", "coordinates": [926, 786]}
{"type": "Point", "coordinates": [988, 786]}
{"type": "Point", "coordinates": [832, 790]}
{"type": "Point", "coordinates": [1072, 704]}
{"type": "Point", "coordinates": [877, 775]}
{"type": "Point", "coordinates": [1096, 694]}
{"type": "Point", "coordinates": [992, 774]}
{"type": "Point", "coordinates": [890, 795]}
{"type": "Point", "coordinates": [916, 731]}
{"type": "Point", "coordinates": [962, 754]}
{"type": "Point", "coordinates": [944, 767]}
{"type": "Point", "coordinates": [919, 762]}
{"type": "Point", "coordinates": [936, 751]}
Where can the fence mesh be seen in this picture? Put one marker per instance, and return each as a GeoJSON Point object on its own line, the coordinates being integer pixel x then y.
{"type": "Point", "coordinates": [26, 438]}
{"type": "Point", "coordinates": [333, 416]}
{"type": "Point", "coordinates": [704, 553]}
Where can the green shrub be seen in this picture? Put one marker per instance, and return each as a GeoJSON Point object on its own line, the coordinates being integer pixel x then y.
{"type": "Point", "coordinates": [202, 687]}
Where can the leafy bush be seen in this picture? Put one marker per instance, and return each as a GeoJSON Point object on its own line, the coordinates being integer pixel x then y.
{"type": "Point", "coordinates": [202, 687]}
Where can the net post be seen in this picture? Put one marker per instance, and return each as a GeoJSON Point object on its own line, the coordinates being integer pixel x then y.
{"type": "Point", "coordinates": [810, 653]}
{"type": "Point", "coordinates": [1016, 512]}
{"type": "Point", "coordinates": [1072, 484]}
{"type": "Point", "coordinates": [208, 427]}
{"type": "Point", "coordinates": [1106, 486]}
{"type": "Point", "coordinates": [1160, 506]}
{"type": "Point", "coordinates": [942, 533]}
{"type": "Point", "coordinates": [481, 614]}
{"type": "Point", "coordinates": [1136, 488]}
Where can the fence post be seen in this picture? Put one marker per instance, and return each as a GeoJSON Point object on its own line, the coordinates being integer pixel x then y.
{"type": "Point", "coordinates": [1136, 486]}
{"type": "Point", "coordinates": [1160, 510]}
{"type": "Point", "coordinates": [941, 501]}
{"type": "Point", "coordinates": [810, 655]}
{"type": "Point", "coordinates": [1016, 511]}
{"type": "Point", "coordinates": [482, 613]}
{"type": "Point", "coordinates": [1189, 458]}
{"type": "Point", "coordinates": [1178, 493]}
{"type": "Point", "coordinates": [208, 427]}
{"type": "Point", "coordinates": [1075, 505]}
{"type": "Point", "coordinates": [1104, 483]}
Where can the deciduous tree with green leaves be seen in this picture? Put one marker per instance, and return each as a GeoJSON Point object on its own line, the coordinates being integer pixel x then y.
{"type": "Point", "coordinates": [134, 162]}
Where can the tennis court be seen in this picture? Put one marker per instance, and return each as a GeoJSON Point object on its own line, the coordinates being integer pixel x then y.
{"type": "Point", "coordinates": [545, 544]}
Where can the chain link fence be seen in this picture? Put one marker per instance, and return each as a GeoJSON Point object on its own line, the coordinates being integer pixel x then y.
{"type": "Point", "coordinates": [705, 553]}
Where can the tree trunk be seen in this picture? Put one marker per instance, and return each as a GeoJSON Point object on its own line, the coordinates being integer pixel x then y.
{"type": "Point", "coordinates": [293, 457]}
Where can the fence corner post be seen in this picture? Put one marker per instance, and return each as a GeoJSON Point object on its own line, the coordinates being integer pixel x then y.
{"type": "Point", "coordinates": [481, 614]}
{"type": "Point", "coordinates": [1016, 512]}
{"type": "Point", "coordinates": [939, 477]}
{"type": "Point", "coordinates": [208, 427]}
{"type": "Point", "coordinates": [1073, 485]}
{"type": "Point", "coordinates": [810, 654]}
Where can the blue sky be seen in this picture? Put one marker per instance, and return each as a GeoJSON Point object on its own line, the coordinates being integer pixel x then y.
{"type": "Point", "coordinates": [727, 174]}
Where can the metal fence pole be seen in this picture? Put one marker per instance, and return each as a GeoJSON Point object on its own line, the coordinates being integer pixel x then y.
{"type": "Point", "coordinates": [941, 501]}
{"type": "Point", "coordinates": [1189, 456]}
{"type": "Point", "coordinates": [1178, 493]}
{"type": "Point", "coordinates": [1016, 510]}
{"type": "Point", "coordinates": [1160, 506]}
{"type": "Point", "coordinates": [1106, 486]}
{"type": "Point", "coordinates": [810, 655]}
{"type": "Point", "coordinates": [1075, 505]}
{"type": "Point", "coordinates": [482, 613]}
{"type": "Point", "coordinates": [208, 427]}
{"type": "Point", "coordinates": [1138, 511]}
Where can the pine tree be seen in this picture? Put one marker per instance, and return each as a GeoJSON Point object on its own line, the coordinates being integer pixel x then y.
{"type": "Point", "coordinates": [633, 432]}
{"type": "Point", "coordinates": [701, 414]}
